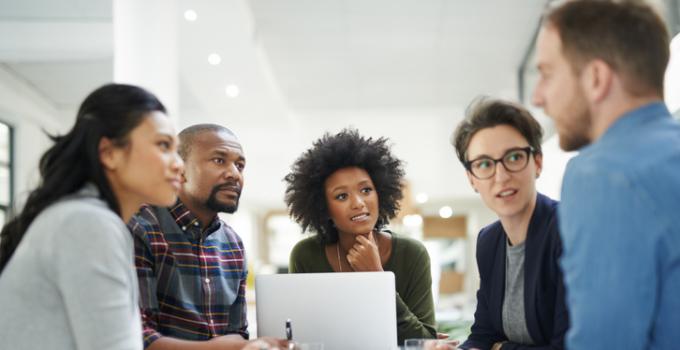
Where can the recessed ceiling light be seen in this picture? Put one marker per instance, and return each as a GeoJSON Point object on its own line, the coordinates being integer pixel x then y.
{"type": "Point", "coordinates": [214, 59]}
{"type": "Point", "coordinates": [190, 15]}
{"type": "Point", "coordinates": [422, 197]}
{"type": "Point", "coordinates": [445, 212]}
{"type": "Point", "coordinates": [232, 91]}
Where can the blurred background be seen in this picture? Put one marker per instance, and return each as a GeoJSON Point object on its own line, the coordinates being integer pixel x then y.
{"type": "Point", "coordinates": [280, 73]}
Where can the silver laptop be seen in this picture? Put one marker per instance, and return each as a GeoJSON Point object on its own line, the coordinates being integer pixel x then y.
{"type": "Point", "coordinates": [355, 310]}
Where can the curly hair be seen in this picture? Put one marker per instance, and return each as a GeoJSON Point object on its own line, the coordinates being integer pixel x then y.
{"type": "Point", "coordinates": [305, 191]}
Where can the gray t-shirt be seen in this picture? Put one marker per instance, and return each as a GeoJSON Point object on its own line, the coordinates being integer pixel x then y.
{"type": "Point", "coordinates": [71, 283]}
{"type": "Point", "coordinates": [514, 319]}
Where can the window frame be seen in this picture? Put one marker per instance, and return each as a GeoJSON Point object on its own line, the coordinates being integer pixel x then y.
{"type": "Point", "coordinates": [6, 208]}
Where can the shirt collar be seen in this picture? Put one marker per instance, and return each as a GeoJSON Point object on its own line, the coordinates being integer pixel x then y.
{"type": "Point", "coordinates": [189, 223]}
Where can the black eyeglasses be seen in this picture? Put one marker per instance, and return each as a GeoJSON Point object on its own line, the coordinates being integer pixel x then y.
{"type": "Point", "coordinates": [514, 160]}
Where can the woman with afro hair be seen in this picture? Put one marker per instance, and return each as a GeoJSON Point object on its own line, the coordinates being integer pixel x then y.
{"type": "Point", "coordinates": [345, 189]}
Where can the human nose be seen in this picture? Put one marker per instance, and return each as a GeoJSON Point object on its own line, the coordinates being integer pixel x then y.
{"type": "Point", "coordinates": [357, 201]}
{"type": "Point", "coordinates": [177, 163]}
{"type": "Point", "coordinates": [501, 173]}
{"type": "Point", "coordinates": [537, 96]}
{"type": "Point", "coordinates": [232, 171]}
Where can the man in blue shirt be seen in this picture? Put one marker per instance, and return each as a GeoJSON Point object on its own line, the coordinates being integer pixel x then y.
{"type": "Point", "coordinates": [601, 70]}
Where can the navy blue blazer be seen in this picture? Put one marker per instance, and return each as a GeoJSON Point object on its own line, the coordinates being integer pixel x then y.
{"type": "Point", "coordinates": [544, 304]}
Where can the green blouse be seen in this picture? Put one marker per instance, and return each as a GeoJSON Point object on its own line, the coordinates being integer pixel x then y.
{"type": "Point", "coordinates": [410, 264]}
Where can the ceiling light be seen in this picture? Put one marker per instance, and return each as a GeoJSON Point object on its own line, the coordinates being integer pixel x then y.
{"type": "Point", "coordinates": [214, 59]}
{"type": "Point", "coordinates": [422, 197]}
{"type": "Point", "coordinates": [190, 15]}
{"type": "Point", "coordinates": [232, 91]}
{"type": "Point", "coordinates": [445, 212]}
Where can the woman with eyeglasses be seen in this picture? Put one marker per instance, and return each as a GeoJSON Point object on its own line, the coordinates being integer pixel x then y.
{"type": "Point", "coordinates": [520, 301]}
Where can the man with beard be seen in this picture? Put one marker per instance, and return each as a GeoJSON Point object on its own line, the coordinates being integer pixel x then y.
{"type": "Point", "coordinates": [602, 70]}
{"type": "Point", "coordinates": [191, 265]}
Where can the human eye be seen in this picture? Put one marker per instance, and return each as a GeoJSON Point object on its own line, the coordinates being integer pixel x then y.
{"type": "Point", "coordinates": [341, 196]}
{"type": "Point", "coordinates": [367, 189]}
{"type": "Point", "coordinates": [240, 166]}
{"type": "Point", "coordinates": [514, 156]}
{"type": "Point", "coordinates": [164, 145]}
{"type": "Point", "coordinates": [218, 160]}
{"type": "Point", "coordinates": [482, 164]}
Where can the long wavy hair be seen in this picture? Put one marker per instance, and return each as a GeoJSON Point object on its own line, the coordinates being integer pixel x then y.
{"type": "Point", "coordinates": [111, 111]}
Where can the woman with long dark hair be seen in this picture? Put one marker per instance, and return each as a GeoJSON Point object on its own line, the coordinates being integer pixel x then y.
{"type": "Point", "coordinates": [67, 277]}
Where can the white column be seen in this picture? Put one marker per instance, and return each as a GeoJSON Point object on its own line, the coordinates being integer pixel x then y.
{"type": "Point", "coordinates": [145, 47]}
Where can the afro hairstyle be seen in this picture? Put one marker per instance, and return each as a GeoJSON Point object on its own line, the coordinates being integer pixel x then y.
{"type": "Point", "coordinates": [305, 191]}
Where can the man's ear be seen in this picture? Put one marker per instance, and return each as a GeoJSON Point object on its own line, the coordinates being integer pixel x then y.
{"type": "Point", "coordinates": [108, 154]}
{"type": "Point", "coordinates": [597, 78]}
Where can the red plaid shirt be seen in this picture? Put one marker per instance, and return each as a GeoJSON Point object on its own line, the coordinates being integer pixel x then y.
{"type": "Point", "coordinates": [192, 282]}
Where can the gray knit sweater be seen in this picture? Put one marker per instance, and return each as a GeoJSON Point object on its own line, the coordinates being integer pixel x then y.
{"type": "Point", "coordinates": [71, 283]}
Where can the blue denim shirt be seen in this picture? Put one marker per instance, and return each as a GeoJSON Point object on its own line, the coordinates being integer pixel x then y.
{"type": "Point", "coordinates": [621, 237]}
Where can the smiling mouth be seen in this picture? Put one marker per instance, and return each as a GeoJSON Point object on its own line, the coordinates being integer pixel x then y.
{"type": "Point", "coordinates": [360, 217]}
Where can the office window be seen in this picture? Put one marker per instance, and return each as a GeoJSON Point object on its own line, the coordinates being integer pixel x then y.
{"type": "Point", "coordinates": [6, 181]}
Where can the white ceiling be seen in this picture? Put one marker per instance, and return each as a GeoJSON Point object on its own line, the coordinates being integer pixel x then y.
{"type": "Point", "coordinates": [400, 69]}
{"type": "Point", "coordinates": [63, 49]}
{"type": "Point", "coordinates": [393, 53]}
{"type": "Point", "coordinates": [64, 83]}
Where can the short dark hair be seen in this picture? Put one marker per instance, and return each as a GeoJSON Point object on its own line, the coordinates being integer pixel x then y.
{"type": "Point", "coordinates": [629, 36]}
{"type": "Point", "coordinates": [188, 135]}
{"type": "Point", "coordinates": [486, 113]}
{"type": "Point", "coordinates": [305, 191]}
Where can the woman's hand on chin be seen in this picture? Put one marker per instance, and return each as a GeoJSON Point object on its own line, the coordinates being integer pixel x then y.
{"type": "Point", "coordinates": [365, 255]}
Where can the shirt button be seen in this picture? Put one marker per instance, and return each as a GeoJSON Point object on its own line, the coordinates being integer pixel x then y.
{"type": "Point", "coordinates": [184, 228]}
{"type": "Point", "coordinates": [207, 280]}
{"type": "Point", "coordinates": [196, 223]}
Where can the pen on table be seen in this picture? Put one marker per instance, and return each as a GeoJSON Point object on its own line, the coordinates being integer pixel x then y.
{"type": "Point", "coordinates": [289, 330]}
{"type": "Point", "coordinates": [289, 334]}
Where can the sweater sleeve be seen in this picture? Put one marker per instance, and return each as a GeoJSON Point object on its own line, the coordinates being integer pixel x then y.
{"type": "Point", "coordinates": [94, 269]}
{"type": "Point", "coordinates": [307, 256]}
{"type": "Point", "coordinates": [415, 307]}
{"type": "Point", "coordinates": [297, 258]}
